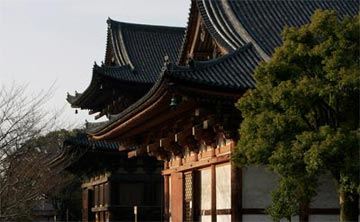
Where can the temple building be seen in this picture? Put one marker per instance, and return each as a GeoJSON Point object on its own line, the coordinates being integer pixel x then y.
{"type": "Point", "coordinates": [170, 94]}
{"type": "Point", "coordinates": [112, 183]}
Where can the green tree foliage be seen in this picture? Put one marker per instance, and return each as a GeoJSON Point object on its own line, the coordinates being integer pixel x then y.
{"type": "Point", "coordinates": [302, 120]}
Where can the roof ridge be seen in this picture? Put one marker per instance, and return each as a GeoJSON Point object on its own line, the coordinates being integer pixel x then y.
{"type": "Point", "coordinates": [184, 42]}
{"type": "Point", "coordinates": [142, 25]}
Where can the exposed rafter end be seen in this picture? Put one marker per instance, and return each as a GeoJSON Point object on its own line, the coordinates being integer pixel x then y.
{"type": "Point", "coordinates": [132, 154]}
{"type": "Point", "coordinates": [122, 148]}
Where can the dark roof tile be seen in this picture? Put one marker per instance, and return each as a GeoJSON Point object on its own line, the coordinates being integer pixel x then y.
{"type": "Point", "coordinates": [233, 71]}
{"type": "Point", "coordinates": [81, 140]}
{"type": "Point", "coordinates": [143, 47]}
{"type": "Point", "coordinates": [233, 23]}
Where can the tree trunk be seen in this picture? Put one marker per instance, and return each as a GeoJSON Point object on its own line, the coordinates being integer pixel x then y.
{"type": "Point", "coordinates": [349, 206]}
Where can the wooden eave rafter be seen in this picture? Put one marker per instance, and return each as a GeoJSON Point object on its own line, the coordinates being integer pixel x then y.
{"type": "Point", "coordinates": [177, 143]}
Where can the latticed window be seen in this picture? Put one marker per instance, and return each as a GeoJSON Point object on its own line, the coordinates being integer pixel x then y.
{"type": "Point", "coordinates": [188, 188]}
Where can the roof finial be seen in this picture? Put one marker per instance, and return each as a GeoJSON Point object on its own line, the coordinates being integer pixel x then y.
{"type": "Point", "coordinates": [166, 60]}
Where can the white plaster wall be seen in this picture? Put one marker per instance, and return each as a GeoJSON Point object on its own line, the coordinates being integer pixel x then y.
{"type": "Point", "coordinates": [323, 218]}
{"type": "Point", "coordinates": [223, 218]}
{"type": "Point", "coordinates": [264, 218]}
{"type": "Point", "coordinates": [256, 218]}
{"type": "Point", "coordinates": [206, 218]}
{"type": "Point", "coordinates": [257, 186]}
{"type": "Point", "coordinates": [223, 187]}
{"type": "Point", "coordinates": [205, 199]}
{"type": "Point", "coordinates": [327, 196]}
{"type": "Point", "coordinates": [293, 219]}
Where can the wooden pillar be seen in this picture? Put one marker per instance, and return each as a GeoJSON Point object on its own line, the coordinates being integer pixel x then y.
{"type": "Point", "coordinates": [304, 212]}
{"type": "Point", "coordinates": [213, 193]}
{"type": "Point", "coordinates": [166, 198]}
{"type": "Point", "coordinates": [177, 197]}
{"type": "Point", "coordinates": [236, 193]}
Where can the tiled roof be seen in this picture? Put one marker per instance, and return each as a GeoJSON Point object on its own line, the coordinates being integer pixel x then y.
{"type": "Point", "coordinates": [250, 30]}
{"type": "Point", "coordinates": [139, 52]}
{"type": "Point", "coordinates": [81, 140]}
{"type": "Point", "coordinates": [233, 71]}
{"type": "Point", "coordinates": [143, 47]}
{"type": "Point", "coordinates": [101, 74]}
{"type": "Point", "coordinates": [121, 73]}
{"type": "Point", "coordinates": [233, 23]}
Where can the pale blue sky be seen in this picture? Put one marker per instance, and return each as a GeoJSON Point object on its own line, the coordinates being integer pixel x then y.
{"type": "Point", "coordinates": [43, 41]}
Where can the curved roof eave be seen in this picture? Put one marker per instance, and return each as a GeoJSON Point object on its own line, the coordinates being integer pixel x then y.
{"type": "Point", "coordinates": [104, 131]}
{"type": "Point", "coordinates": [173, 72]}
{"type": "Point", "coordinates": [98, 74]}
{"type": "Point", "coordinates": [78, 98]}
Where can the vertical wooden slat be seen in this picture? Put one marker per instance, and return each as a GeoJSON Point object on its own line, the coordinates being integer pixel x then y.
{"type": "Point", "coordinates": [236, 193]}
{"type": "Point", "coordinates": [106, 194]}
{"type": "Point", "coordinates": [108, 216]}
{"type": "Point", "coordinates": [166, 198]}
{"type": "Point", "coordinates": [177, 197]}
{"type": "Point", "coordinates": [85, 205]}
{"type": "Point", "coordinates": [166, 165]}
{"type": "Point", "coordinates": [213, 193]}
{"type": "Point", "coordinates": [91, 203]}
{"type": "Point", "coordinates": [109, 191]}
{"type": "Point", "coordinates": [96, 195]}
{"type": "Point", "coordinates": [97, 217]}
{"type": "Point", "coordinates": [101, 191]}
